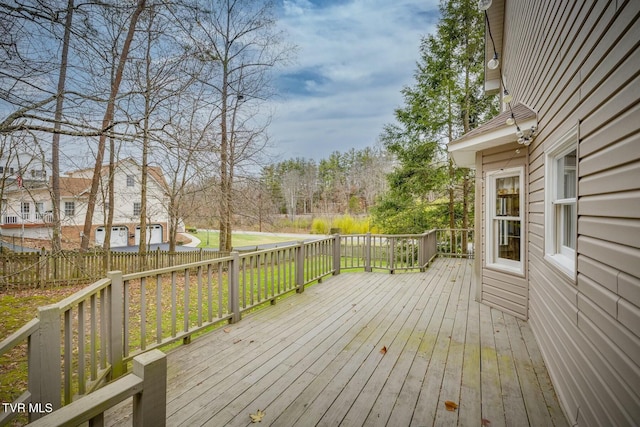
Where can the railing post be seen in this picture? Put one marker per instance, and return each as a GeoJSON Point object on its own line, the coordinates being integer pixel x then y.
{"type": "Point", "coordinates": [234, 287]}
{"type": "Point", "coordinates": [367, 253]}
{"type": "Point", "coordinates": [299, 262]}
{"type": "Point", "coordinates": [336, 254]}
{"type": "Point", "coordinates": [116, 324]}
{"type": "Point", "coordinates": [50, 355]}
{"type": "Point", "coordinates": [150, 406]}
{"type": "Point", "coordinates": [34, 374]}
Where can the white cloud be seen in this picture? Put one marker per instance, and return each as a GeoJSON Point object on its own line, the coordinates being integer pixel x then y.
{"type": "Point", "coordinates": [354, 58]}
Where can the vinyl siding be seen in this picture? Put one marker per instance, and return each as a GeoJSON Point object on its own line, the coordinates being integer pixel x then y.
{"type": "Point", "coordinates": [577, 63]}
{"type": "Point", "coordinates": [502, 290]}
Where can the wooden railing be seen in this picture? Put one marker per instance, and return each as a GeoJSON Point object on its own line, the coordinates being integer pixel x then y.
{"type": "Point", "coordinates": [458, 242]}
{"type": "Point", "coordinates": [89, 339]}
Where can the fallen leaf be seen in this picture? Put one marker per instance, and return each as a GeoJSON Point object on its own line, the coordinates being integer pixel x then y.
{"type": "Point", "coordinates": [226, 330]}
{"type": "Point", "coordinates": [486, 422]}
{"type": "Point", "coordinates": [257, 417]}
{"type": "Point", "coordinates": [451, 406]}
{"type": "Point", "coordinates": [237, 341]}
{"type": "Point", "coordinates": [383, 350]}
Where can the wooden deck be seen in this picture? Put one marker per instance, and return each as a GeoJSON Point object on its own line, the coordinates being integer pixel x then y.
{"type": "Point", "coordinates": [315, 359]}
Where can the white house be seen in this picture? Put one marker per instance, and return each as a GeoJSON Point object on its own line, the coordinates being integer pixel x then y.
{"type": "Point", "coordinates": [558, 194]}
{"type": "Point", "coordinates": [26, 208]}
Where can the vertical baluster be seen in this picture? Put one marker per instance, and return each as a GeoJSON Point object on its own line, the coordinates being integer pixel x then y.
{"type": "Point", "coordinates": [200, 299]}
{"type": "Point", "coordinates": [259, 277]}
{"type": "Point", "coordinates": [187, 285]}
{"type": "Point", "coordinates": [94, 337]}
{"type": "Point", "coordinates": [103, 329]}
{"type": "Point", "coordinates": [81, 347]}
{"type": "Point", "coordinates": [244, 282]}
{"type": "Point", "coordinates": [158, 308]}
{"type": "Point", "coordinates": [174, 304]}
{"type": "Point", "coordinates": [220, 302]}
{"type": "Point", "coordinates": [126, 287]}
{"type": "Point", "coordinates": [68, 352]}
{"type": "Point", "coordinates": [209, 292]}
{"type": "Point", "coordinates": [252, 259]}
{"type": "Point", "coordinates": [143, 313]}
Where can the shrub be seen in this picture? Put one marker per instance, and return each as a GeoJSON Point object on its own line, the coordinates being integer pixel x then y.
{"type": "Point", "coordinates": [320, 226]}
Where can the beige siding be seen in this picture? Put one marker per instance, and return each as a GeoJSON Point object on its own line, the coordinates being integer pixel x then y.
{"type": "Point", "coordinates": [577, 63]}
{"type": "Point", "coordinates": [505, 291]}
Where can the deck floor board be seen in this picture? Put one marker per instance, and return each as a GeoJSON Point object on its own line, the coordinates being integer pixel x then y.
{"type": "Point", "coordinates": [314, 359]}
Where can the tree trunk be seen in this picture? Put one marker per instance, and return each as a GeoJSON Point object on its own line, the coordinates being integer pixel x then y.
{"type": "Point", "coordinates": [106, 124]}
{"type": "Point", "coordinates": [56, 239]}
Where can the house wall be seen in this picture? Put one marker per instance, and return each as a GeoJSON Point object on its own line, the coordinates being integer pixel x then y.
{"type": "Point", "coordinates": [505, 291]}
{"type": "Point", "coordinates": [578, 64]}
{"type": "Point", "coordinates": [72, 226]}
{"type": "Point", "coordinates": [125, 196]}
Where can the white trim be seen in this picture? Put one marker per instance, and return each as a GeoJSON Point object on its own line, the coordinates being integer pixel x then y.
{"type": "Point", "coordinates": [563, 257]}
{"type": "Point", "coordinates": [491, 243]}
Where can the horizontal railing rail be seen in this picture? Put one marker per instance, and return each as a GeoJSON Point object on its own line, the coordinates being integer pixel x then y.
{"type": "Point", "coordinates": [88, 339]}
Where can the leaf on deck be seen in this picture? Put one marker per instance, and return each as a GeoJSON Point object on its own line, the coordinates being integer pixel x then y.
{"type": "Point", "coordinates": [226, 330]}
{"type": "Point", "coordinates": [383, 350]}
{"type": "Point", "coordinates": [451, 406]}
{"type": "Point", "coordinates": [486, 422]}
{"type": "Point", "coordinates": [257, 417]}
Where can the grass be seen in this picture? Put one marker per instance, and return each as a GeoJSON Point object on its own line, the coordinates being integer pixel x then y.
{"type": "Point", "coordinates": [239, 239]}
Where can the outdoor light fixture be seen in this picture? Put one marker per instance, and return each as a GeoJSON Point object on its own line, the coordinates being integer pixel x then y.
{"type": "Point", "coordinates": [493, 62]}
{"type": "Point", "coordinates": [525, 138]}
{"type": "Point", "coordinates": [511, 120]}
{"type": "Point", "coordinates": [507, 98]}
{"type": "Point", "coordinates": [484, 4]}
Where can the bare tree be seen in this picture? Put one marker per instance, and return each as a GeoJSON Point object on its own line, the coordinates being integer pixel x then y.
{"type": "Point", "coordinates": [240, 36]}
{"type": "Point", "coordinates": [107, 122]}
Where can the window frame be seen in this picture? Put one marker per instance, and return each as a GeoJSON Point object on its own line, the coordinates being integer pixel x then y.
{"type": "Point", "coordinates": [562, 257]}
{"type": "Point", "coordinates": [25, 210]}
{"type": "Point", "coordinates": [137, 208]}
{"type": "Point", "coordinates": [492, 259]}
{"type": "Point", "coordinates": [69, 208]}
{"type": "Point", "coordinates": [131, 181]}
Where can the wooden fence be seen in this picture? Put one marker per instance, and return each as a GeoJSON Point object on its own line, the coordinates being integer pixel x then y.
{"type": "Point", "coordinates": [43, 269]}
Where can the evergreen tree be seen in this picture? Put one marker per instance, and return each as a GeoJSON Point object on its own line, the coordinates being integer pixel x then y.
{"type": "Point", "coordinates": [426, 190]}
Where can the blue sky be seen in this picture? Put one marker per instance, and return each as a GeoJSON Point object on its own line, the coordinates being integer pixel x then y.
{"type": "Point", "coordinates": [354, 57]}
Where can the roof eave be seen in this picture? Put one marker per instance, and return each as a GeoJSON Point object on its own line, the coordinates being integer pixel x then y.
{"type": "Point", "coordinates": [464, 150]}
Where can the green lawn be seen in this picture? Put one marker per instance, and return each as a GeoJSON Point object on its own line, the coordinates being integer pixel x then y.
{"type": "Point", "coordinates": [239, 239]}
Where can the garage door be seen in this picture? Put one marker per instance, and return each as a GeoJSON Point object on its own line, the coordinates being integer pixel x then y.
{"type": "Point", "coordinates": [154, 234]}
{"type": "Point", "coordinates": [119, 236]}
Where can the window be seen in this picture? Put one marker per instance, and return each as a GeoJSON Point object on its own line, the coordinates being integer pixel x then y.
{"type": "Point", "coordinates": [561, 216]}
{"type": "Point", "coordinates": [24, 210]}
{"type": "Point", "coordinates": [69, 208]}
{"type": "Point", "coordinates": [504, 198]}
{"type": "Point", "coordinates": [130, 180]}
{"type": "Point", "coordinates": [39, 210]}
{"type": "Point", "coordinates": [136, 208]}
